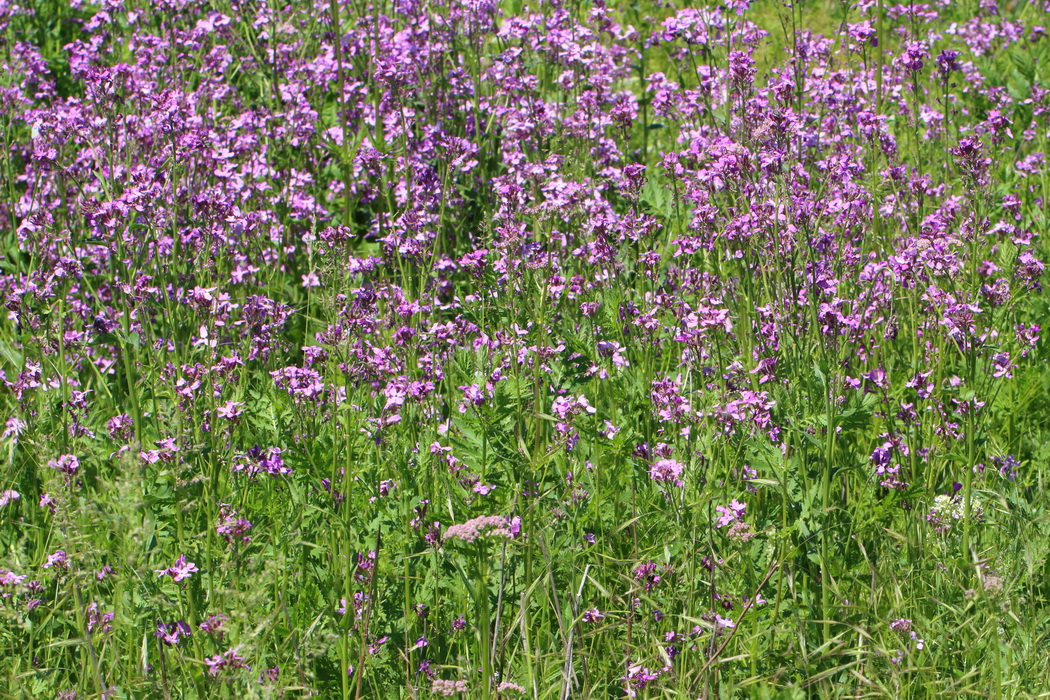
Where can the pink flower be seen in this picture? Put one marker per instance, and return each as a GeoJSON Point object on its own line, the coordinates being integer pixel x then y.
{"type": "Point", "coordinates": [724, 622]}
{"type": "Point", "coordinates": [593, 615]}
{"type": "Point", "coordinates": [728, 514]}
{"type": "Point", "coordinates": [447, 688]}
{"type": "Point", "coordinates": [508, 687]}
{"type": "Point", "coordinates": [67, 464]}
{"type": "Point", "coordinates": [229, 410]}
{"type": "Point", "coordinates": [490, 525]}
{"type": "Point", "coordinates": [59, 560]}
{"type": "Point", "coordinates": [14, 428]}
{"type": "Point", "coordinates": [230, 660]}
{"type": "Point", "coordinates": [214, 624]}
{"type": "Point", "coordinates": [9, 578]}
{"type": "Point", "coordinates": [179, 570]}
{"type": "Point", "coordinates": [667, 470]}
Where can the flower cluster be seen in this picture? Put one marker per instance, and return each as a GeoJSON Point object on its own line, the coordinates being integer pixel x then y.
{"type": "Point", "coordinates": [180, 570]}
{"type": "Point", "coordinates": [947, 511]}
{"type": "Point", "coordinates": [667, 470]}
{"type": "Point", "coordinates": [227, 661]}
{"type": "Point", "coordinates": [484, 526]}
{"type": "Point", "coordinates": [447, 689]}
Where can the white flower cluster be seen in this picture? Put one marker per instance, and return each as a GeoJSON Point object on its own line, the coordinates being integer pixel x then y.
{"type": "Point", "coordinates": [948, 510]}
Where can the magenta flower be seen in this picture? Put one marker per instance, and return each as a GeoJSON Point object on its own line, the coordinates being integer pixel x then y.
{"type": "Point", "coordinates": [724, 622]}
{"type": "Point", "coordinates": [172, 633]}
{"type": "Point", "coordinates": [731, 513]}
{"type": "Point", "coordinates": [67, 464]}
{"type": "Point", "coordinates": [229, 410]}
{"type": "Point", "coordinates": [593, 615]}
{"type": "Point", "coordinates": [667, 470]}
{"type": "Point", "coordinates": [58, 560]}
{"type": "Point", "coordinates": [180, 570]}
{"type": "Point", "coordinates": [901, 625]}
{"type": "Point", "coordinates": [229, 660]}
{"type": "Point", "coordinates": [14, 428]}
{"type": "Point", "coordinates": [214, 624]}
{"type": "Point", "coordinates": [9, 579]}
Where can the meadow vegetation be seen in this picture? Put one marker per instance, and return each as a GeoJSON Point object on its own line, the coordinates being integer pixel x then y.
{"type": "Point", "coordinates": [538, 348]}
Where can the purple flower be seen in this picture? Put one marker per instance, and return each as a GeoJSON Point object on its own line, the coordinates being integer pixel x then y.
{"type": "Point", "coordinates": [98, 621]}
{"type": "Point", "coordinates": [730, 513]}
{"type": "Point", "coordinates": [637, 678]}
{"type": "Point", "coordinates": [724, 622]}
{"type": "Point", "coordinates": [172, 633]}
{"type": "Point", "coordinates": [947, 63]}
{"type": "Point", "coordinates": [229, 660]}
{"type": "Point", "coordinates": [232, 527]}
{"type": "Point", "coordinates": [214, 624]}
{"type": "Point", "coordinates": [593, 615]}
{"type": "Point", "coordinates": [58, 560]}
{"type": "Point", "coordinates": [67, 464]}
{"type": "Point", "coordinates": [180, 570]}
{"type": "Point", "coordinates": [10, 579]}
{"type": "Point", "coordinates": [229, 410]}
{"type": "Point", "coordinates": [1008, 466]}
{"type": "Point", "coordinates": [647, 574]}
{"type": "Point", "coordinates": [258, 461]}
{"type": "Point", "coordinates": [667, 470]}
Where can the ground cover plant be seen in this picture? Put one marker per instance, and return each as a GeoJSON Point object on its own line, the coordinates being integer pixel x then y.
{"type": "Point", "coordinates": [457, 348]}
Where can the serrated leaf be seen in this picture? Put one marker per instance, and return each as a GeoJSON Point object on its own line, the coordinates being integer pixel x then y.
{"type": "Point", "coordinates": [657, 197]}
